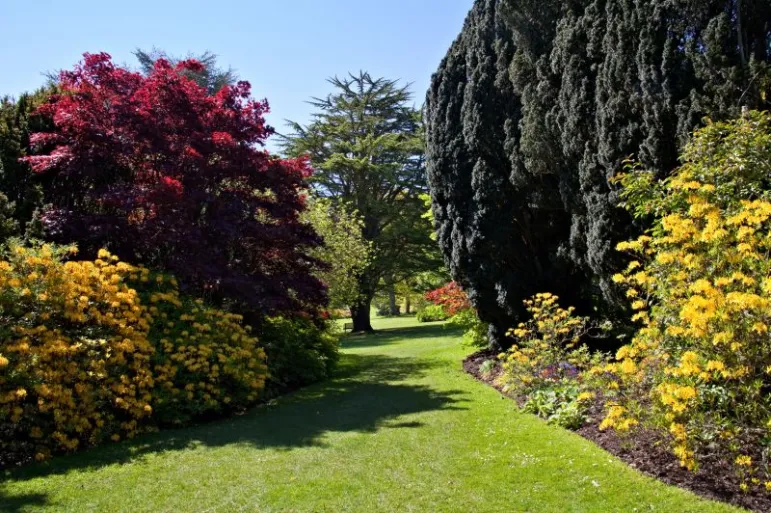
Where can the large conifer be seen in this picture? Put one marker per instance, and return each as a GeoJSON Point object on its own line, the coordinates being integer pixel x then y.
{"type": "Point", "coordinates": [538, 103]}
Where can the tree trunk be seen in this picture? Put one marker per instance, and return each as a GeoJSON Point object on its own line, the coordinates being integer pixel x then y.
{"type": "Point", "coordinates": [393, 308]}
{"type": "Point", "coordinates": [360, 314]}
{"type": "Point", "coordinates": [407, 305]}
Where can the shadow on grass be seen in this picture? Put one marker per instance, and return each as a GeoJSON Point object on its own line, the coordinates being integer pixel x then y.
{"type": "Point", "coordinates": [391, 335]}
{"type": "Point", "coordinates": [21, 503]}
{"type": "Point", "coordinates": [365, 396]}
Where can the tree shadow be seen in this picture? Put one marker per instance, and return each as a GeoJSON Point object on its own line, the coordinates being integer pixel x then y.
{"type": "Point", "coordinates": [389, 336]}
{"type": "Point", "coordinates": [365, 396]}
{"type": "Point", "coordinates": [21, 503]}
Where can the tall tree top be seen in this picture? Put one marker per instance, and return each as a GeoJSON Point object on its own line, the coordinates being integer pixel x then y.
{"type": "Point", "coordinates": [211, 76]}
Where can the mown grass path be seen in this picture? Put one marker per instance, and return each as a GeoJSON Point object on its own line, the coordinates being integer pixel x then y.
{"type": "Point", "coordinates": [400, 429]}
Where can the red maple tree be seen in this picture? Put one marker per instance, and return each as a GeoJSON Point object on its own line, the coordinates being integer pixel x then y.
{"type": "Point", "coordinates": [163, 173]}
{"type": "Point", "coordinates": [450, 297]}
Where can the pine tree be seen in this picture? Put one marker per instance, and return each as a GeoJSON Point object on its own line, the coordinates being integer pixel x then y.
{"type": "Point", "coordinates": [21, 188]}
{"type": "Point", "coordinates": [365, 144]}
{"type": "Point", "coordinates": [538, 103]}
{"type": "Point", "coordinates": [211, 77]}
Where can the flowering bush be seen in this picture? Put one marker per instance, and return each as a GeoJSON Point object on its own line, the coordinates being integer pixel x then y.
{"type": "Point", "coordinates": [450, 297]}
{"type": "Point", "coordinates": [700, 365]}
{"type": "Point", "coordinates": [545, 365]}
{"type": "Point", "coordinates": [85, 356]}
{"type": "Point", "coordinates": [456, 305]}
{"type": "Point", "coordinates": [205, 362]}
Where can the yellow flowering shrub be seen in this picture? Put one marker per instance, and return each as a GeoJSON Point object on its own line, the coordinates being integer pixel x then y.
{"type": "Point", "coordinates": [700, 286]}
{"type": "Point", "coordinates": [74, 353]}
{"type": "Point", "coordinates": [205, 362]}
{"type": "Point", "coordinates": [86, 357]}
{"type": "Point", "coordinates": [544, 367]}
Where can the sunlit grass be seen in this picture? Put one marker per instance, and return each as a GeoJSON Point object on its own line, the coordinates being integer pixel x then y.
{"type": "Point", "coordinates": [401, 428]}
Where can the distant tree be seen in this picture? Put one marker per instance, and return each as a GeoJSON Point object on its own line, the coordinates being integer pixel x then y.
{"type": "Point", "coordinates": [161, 172]}
{"type": "Point", "coordinates": [365, 144]}
{"type": "Point", "coordinates": [211, 76]}
{"type": "Point", "coordinates": [344, 254]}
{"type": "Point", "coordinates": [20, 188]}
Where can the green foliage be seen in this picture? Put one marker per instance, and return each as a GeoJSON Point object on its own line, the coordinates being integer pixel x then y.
{"type": "Point", "coordinates": [558, 404]}
{"type": "Point", "coordinates": [538, 102]}
{"type": "Point", "coordinates": [9, 225]}
{"type": "Point", "coordinates": [475, 330]}
{"type": "Point", "coordinates": [432, 313]}
{"type": "Point", "coordinates": [487, 367]}
{"type": "Point", "coordinates": [366, 147]}
{"type": "Point", "coordinates": [300, 352]}
{"type": "Point", "coordinates": [20, 190]}
{"type": "Point", "coordinates": [345, 253]}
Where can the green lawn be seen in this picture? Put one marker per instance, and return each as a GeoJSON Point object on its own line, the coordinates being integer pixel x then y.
{"type": "Point", "coordinates": [400, 429]}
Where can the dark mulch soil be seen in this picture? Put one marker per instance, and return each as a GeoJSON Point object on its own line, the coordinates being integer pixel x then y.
{"type": "Point", "coordinates": [648, 452]}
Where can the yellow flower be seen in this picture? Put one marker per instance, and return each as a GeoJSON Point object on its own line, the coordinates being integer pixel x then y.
{"type": "Point", "coordinates": [744, 461]}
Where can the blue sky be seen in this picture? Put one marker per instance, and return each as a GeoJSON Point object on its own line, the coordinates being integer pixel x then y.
{"type": "Point", "coordinates": [285, 48]}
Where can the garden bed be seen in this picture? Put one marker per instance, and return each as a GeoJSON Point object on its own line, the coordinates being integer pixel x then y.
{"type": "Point", "coordinates": [644, 450]}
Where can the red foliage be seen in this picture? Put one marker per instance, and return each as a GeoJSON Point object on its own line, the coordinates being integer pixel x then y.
{"type": "Point", "coordinates": [161, 172]}
{"type": "Point", "coordinates": [450, 297]}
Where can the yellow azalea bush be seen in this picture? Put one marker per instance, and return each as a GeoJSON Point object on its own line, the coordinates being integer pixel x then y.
{"type": "Point", "coordinates": [205, 361]}
{"type": "Point", "coordinates": [700, 285]}
{"type": "Point", "coordinates": [86, 357]}
{"type": "Point", "coordinates": [74, 353]}
{"type": "Point", "coordinates": [544, 367]}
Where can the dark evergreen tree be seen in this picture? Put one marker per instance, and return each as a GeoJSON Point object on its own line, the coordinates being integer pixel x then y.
{"type": "Point", "coordinates": [536, 106]}
{"type": "Point", "coordinates": [21, 189]}
{"type": "Point", "coordinates": [365, 144]}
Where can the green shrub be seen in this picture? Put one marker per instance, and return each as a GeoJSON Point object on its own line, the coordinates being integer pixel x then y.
{"type": "Point", "coordinates": [474, 329]}
{"type": "Point", "coordinates": [432, 313]}
{"type": "Point", "coordinates": [300, 352]}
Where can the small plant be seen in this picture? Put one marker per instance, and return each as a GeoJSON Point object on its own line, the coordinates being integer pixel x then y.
{"type": "Point", "coordinates": [487, 368]}
{"type": "Point", "coordinates": [559, 405]}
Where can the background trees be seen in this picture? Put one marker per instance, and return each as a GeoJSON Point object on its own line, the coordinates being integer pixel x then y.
{"type": "Point", "coordinates": [365, 146]}
{"type": "Point", "coordinates": [345, 253]}
{"type": "Point", "coordinates": [21, 192]}
{"type": "Point", "coordinates": [537, 104]}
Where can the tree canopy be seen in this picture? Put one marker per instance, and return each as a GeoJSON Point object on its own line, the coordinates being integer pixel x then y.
{"type": "Point", "coordinates": [159, 171]}
{"type": "Point", "coordinates": [344, 254]}
{"type": "Point", "coordinates": [365, 144]}
{"type": "Point", "coordinates": [210, 76]}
